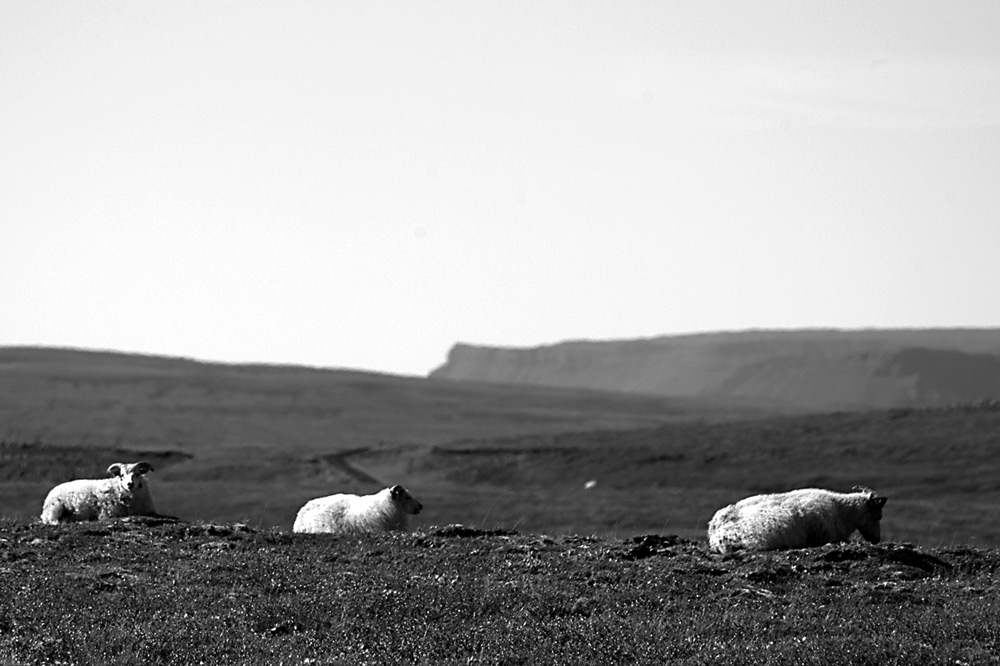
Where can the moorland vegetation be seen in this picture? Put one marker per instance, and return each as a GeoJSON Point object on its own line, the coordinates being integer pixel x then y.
{"type": "Point", "coordinates": [132, 591]}
{"type": "Point", "coordinates": [583, 515]}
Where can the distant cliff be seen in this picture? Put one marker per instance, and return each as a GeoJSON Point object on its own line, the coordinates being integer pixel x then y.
{"type": "Point", "coordinates": [824, 369]}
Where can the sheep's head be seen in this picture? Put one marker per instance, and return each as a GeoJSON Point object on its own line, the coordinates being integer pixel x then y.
{"type": "Point", "coordinates": [400, 496]}
{"type": "Point", "coordinates": [129, 475]}
{"type": "Point", "coordinates": [868, 522]}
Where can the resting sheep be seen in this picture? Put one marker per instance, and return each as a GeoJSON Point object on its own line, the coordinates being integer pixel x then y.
{"type": "Point", "coordinates": [798, 519]}
{"type": "Point", "coordinates": [384, 511]}
{"type": "Point", "coordinates": [124, 494]}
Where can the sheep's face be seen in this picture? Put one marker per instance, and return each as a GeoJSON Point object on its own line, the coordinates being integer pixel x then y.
{"type": "Point", "coordinates": [868, 524]}
{"type": "Point", "coordinates": [130, 475]}
{"type": "Point", "coordinates": [402, 497]}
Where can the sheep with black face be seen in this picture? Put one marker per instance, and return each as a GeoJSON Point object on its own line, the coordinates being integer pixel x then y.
{"type": "Point", "coordinates": [386, 510]}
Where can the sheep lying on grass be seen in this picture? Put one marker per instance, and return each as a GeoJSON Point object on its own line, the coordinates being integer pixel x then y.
{"type": "Point", "coordinates": [124, 494]}
{"type": "Point", "coordinates": [384, 511]}
{"type": "Point", "coordinates": [798, 519]}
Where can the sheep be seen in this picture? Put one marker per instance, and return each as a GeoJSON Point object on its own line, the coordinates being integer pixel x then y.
{"type": "Point", "coordinates": [124, 494]}
{"type": "Point", "coordinates": [386, 510]}
{"type": "Point", "coordinates": [803, 518]}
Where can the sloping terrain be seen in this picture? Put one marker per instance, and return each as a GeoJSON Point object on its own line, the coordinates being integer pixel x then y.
{"type": "Point", "coordinates": [938, 467]}
{"type": "Point", "coordinates": [232, 442]}
{"type": "Point", "coordinates": [811, 369]}
{"type": "Point", "coordinates": [84, 398]}
{"type": "Point", "coordinates": [253, 444]}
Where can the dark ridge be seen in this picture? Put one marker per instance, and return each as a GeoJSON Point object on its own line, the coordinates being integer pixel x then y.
{"type": "Point", "coordinates": [38, 461]}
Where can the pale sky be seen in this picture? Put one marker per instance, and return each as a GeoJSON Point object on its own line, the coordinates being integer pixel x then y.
{"type": "Point", "coordinates": [362, 184]}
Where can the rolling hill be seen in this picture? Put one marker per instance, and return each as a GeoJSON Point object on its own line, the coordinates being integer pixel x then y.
{"type": "Point", "coordinates": [256, 441]}
{"type": "Point", "coordinates": [810, 369]}
{"type": "Point", "coordinates": [253, 443]}
{"type": "Point", "coordinates": [80, 398]}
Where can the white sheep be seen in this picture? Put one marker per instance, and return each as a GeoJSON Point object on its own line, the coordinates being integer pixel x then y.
{"type": "Point", "coordinates": [124, 494]}
{"type": "Point", "coordinates": [384, 511]}
{"type": "Point", "coordinates": [797, 519]}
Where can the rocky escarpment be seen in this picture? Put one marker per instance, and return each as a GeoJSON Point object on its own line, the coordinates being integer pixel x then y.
{"type": "Point", "coordinates": [826, 369]}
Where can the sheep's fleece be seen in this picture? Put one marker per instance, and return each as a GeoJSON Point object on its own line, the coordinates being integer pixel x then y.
{"type": "Point", "coordinates": [125, 493]}
{"type": "Point", "coordinates": [386, 510]}
{"type": "Point", "coordinates": [803, 518]}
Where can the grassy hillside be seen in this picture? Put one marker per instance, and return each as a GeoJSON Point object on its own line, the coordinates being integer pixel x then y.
{"type": "Point", "coordinates": [139, 592]}
{"type": "Point", "coordinates": [253, 444]}
{"type": "Point", "coordinates": [939, 467]}
{"type": "Point", "coordinates": [81, 398]}
{"type": "Point", "coordinates": [584, 520]}
{"type": "Point", "coordinates": [814, 369]}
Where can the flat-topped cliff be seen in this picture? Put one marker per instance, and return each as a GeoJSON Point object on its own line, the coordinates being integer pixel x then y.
{"type": "Point", "coordinates": [825, 369]}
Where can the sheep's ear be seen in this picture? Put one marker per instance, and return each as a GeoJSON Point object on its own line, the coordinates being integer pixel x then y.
{"type": "Point", "coordinates": [862, 489]}
{"type": "Point", "coordinates": [115, 469]}
{"type": "Point", "coordinates": [142, 467]}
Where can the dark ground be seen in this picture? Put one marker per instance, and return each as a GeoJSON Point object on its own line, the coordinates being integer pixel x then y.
{"type": "Point", "coordinates": [140, 591]}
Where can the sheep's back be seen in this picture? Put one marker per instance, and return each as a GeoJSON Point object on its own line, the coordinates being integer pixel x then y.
{"type": "Point", "coordinates": [323, 514]}
{"type": "Point", "coordinates": [756, 523]}
{"type": "Point", "coordinates": [797, 519]}
{"type": "Point", "coordinates": [80, 499]}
